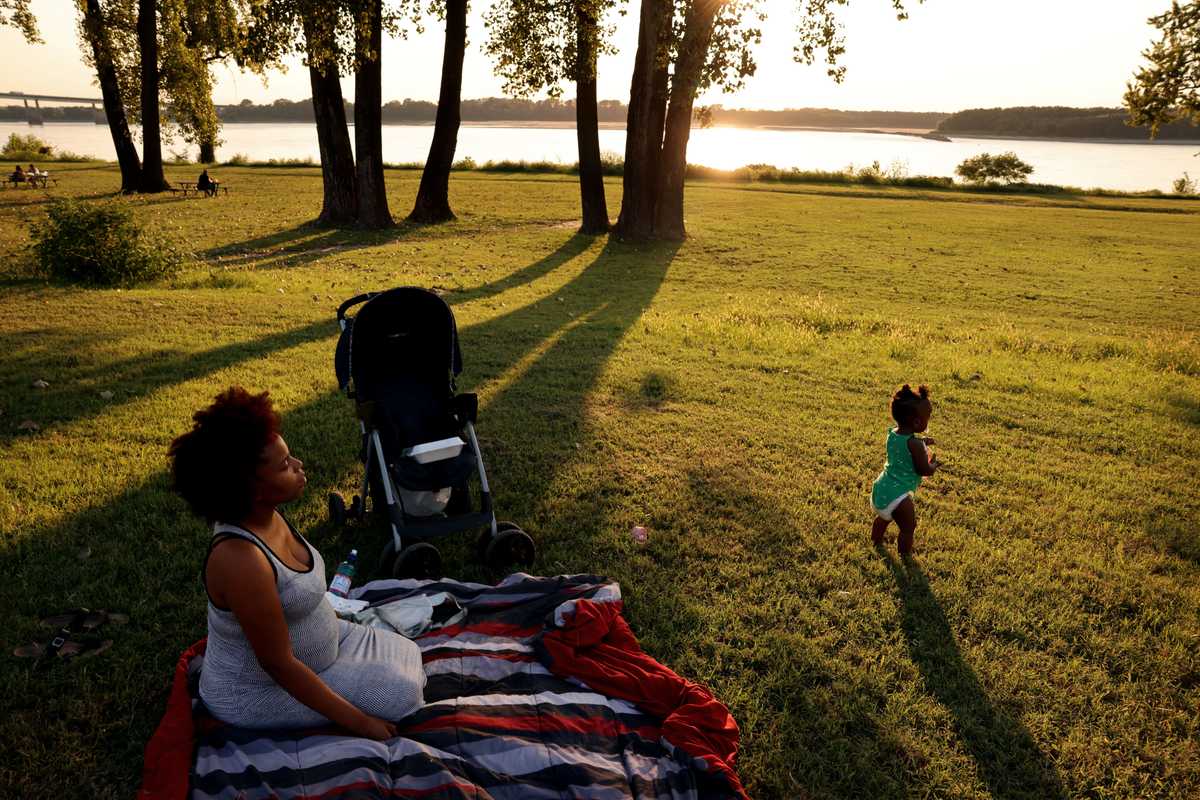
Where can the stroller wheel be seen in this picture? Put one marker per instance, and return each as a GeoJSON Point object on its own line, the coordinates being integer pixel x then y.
{"type": "Point", "coordinates": [337, 509]}
{"type": "Point", "coordinates": [485, 537]}
{"type": "Point", "coordinates": [510, 546]}
{"type": "Point", "coordinates": [421, 560]}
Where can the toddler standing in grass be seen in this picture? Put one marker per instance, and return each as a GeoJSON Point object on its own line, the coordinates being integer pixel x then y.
{"type": "Point", "coordinates": [908, 460]}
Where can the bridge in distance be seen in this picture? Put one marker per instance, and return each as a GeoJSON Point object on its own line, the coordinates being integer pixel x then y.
{"type": "Point", "coordinates": [33, 113]}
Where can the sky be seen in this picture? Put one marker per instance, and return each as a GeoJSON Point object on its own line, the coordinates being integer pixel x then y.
{"type": "Point", "coordinates": [949, 55]}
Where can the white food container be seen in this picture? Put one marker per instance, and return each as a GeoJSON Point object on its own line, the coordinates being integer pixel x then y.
{"type": "Point", "coordinates": [436, 451]}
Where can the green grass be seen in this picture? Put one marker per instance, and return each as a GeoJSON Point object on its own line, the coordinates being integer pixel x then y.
{"type": "Point", "coordinates": [730, 394]}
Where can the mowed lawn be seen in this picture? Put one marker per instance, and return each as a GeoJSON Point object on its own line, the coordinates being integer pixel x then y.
{"type": "Point", "coordinates": [730, 394]}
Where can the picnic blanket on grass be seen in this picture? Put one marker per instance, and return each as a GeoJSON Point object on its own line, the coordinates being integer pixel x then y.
{"type": "Point", "coordinates": [541, 692]}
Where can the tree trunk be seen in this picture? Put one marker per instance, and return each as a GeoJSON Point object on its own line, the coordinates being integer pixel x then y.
{"type": "Point", "coordinates": [114, 110]}
{"type": "Point", "coordinates": [647, 115]}
{"type": "Point", "coordinates": [340, 203]}
{"type": "Point", "coordinates": [147, 32]}
{"type": "Point", "coordinates": [433, 197]}
{"type": "Point", "coordinates": [368, 134]}
{"type": "Point", "coordinates": [587, 129]}
{"type": "Point", "coordinates": [693, 51]}
{"type": "Point", "coordinates": [208, 152]}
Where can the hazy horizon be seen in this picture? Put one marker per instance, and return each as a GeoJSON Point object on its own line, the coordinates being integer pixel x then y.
{"type": "Point", "coordinates": [934, 62]}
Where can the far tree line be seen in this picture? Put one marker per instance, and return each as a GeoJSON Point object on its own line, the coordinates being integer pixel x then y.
{"type": "Point", "coordinates": [1043, 122]}
{"type": "Point", "coordinates": [154, 58]}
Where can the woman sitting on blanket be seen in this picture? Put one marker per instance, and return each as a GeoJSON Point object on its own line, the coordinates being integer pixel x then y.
{"type": "Point", "coordinates": [277, 656]}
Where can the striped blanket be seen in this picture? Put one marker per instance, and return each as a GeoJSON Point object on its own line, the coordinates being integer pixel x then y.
{"type": "Point", "coordinates": [511, 712]}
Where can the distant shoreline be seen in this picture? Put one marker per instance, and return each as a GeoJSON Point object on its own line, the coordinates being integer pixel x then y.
{"type": "Point", "coordinates": [920, 133]}
{"type": "Point", "coordinates": [1075, 140]}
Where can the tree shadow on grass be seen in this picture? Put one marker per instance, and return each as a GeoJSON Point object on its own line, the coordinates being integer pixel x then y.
{"type": "Point", "coordinates": [812, 721]}
{"type": "Point", "coordinates": [545, 358]}
{"type": "Point", "coordinates": [308, 242]}
{"type": "Point", "coordinates": [1010, 763]}
{"type": "Point", "coordinates": [47, 198]}
{"type": "Point", "coordinates": [59, 357]}
{"type": "Point", "coordinates": [74, 390]}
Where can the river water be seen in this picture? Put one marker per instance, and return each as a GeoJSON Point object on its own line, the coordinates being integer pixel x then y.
{"type": "Point", "coordinates": [1109, 165]}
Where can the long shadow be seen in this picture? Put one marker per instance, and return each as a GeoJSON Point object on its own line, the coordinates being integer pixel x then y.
{"type": "Point", "coordinates": [568, 250]}
{"type": "Point", "coordinates": [811, 721]}
{"type": "Point", "coordinates": [140, 552]}
{"type": "Point", "coordinates": [74, 389]}
{"type": "Point", "coordinates": [48, 197]}
{"type": "Point", "coordinates": [1010, 763]}
{"type": "Point", "coordinates": [308, 242]}
{"type": "Point", "coordinates": [583, 321]}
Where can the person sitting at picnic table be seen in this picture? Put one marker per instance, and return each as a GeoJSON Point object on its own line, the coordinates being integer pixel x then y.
{"type": "Point", "coordinates": [18, 175]}
{"type": "Point", "coordinates": [277, 656]}
{"type": "Point", "coordinates": [206, 184]}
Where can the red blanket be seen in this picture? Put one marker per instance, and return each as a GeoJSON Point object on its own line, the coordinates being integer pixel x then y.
{"type": "Point", "coordinates": [597, 647]}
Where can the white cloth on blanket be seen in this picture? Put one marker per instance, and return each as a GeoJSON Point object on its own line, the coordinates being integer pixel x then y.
{"type": "Point", "coordinates": [412, 616]}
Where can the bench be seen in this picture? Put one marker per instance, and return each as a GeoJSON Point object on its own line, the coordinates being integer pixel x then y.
{"type": "Point", "coordinates": [189, 187]}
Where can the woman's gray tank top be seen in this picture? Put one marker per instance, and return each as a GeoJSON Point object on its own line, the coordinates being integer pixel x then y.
{"type": "Point", "coordinates": [230, 666]}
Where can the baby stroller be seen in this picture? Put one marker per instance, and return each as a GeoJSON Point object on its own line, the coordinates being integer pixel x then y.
{"type": "Point", "coordinates": [398, 358]}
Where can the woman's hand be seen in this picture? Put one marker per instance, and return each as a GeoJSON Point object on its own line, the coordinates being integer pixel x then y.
{"type": "Point", "coordinates": [375, 728]}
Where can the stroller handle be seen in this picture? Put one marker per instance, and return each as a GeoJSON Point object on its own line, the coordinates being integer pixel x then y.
{"type": "Point", "coordinates": [353, 301]}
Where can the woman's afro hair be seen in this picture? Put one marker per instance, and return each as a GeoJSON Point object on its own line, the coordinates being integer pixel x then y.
{"type": "Point", "coordinates": [213, 465]}
{"type": "Point", "coordinates": [905, 402]}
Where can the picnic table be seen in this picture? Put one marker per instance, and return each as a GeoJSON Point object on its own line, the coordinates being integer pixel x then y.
{"type": "Point", "coordinates": [190, 187]}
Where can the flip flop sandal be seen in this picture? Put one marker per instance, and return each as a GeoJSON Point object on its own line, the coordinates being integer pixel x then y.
{"type": "Point", "coordinates": [63, 648]}
{"type": "Point", "coordinates": [82, 619]}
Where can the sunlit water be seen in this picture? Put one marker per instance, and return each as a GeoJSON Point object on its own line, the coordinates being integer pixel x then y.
{"type": "Point", "coordinates": [1133, 166]}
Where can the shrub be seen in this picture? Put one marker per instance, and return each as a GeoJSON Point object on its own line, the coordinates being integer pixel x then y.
{"type": "Point", "coordinates": [612, 163]}
{"type": "Point", "coordinates": [25, 148]}
{"type": "Point", "coordinates": [986, 167]}
{"type": "Point", "coordinates": [1184, 185]}
{"type": "Point", "coordinates": [464, 163]}
{"type": "Point", "coordinates": [31, 148]}
{"type": "Point", "coordinates": [100, 245]}
{"type": "Point", "coordinates": [870, 175]}
{"type": "Point", "coordinates": [238, 160]}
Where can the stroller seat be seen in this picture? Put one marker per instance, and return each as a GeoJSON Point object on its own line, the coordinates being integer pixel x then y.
{"type": "Point", "coordinates": [408, 411]}
{"type": "Point", "coordinates": [398, 358]}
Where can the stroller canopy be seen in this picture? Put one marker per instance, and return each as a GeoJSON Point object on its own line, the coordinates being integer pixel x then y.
{"type": "Point", "coordinates": [406, 331]}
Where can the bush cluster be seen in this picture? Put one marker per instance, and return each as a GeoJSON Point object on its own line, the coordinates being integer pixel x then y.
{"type": "Point", "coordinates": [101, 245]}
{"type": "Point", "coordinates": [986, 167]}
{"type": "Point", "coordinates": [31, 148]}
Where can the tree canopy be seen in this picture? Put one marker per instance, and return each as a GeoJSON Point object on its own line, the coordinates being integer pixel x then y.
{"type": "Point", "coordinates": [820, 30]}
{"type": "Point", "coordinates": [534, 44]}
{"type": "Point", "coordinates": [986, 167]}
{"type": "Point", "coordinates": [16, 14]}
{"type": "Point", "coordinates": [1168, 88]}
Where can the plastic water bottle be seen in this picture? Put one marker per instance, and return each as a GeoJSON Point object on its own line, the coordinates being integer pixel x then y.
{"type": "Point", "coordinates": [340, 585]}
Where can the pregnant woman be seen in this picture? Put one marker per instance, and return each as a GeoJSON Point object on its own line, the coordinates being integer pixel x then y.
{"type": "Point", "coordinates": [277, 655]}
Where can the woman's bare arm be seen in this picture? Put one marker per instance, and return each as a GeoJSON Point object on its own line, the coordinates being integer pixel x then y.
{"type": "Point", "coordinates": [240, 578]}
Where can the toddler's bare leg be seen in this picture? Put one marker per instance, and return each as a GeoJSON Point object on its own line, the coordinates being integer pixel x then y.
{"type": "Point", "coordinates": [905, 516]}
{"type": "Point", "coordinates": [878, 529]}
